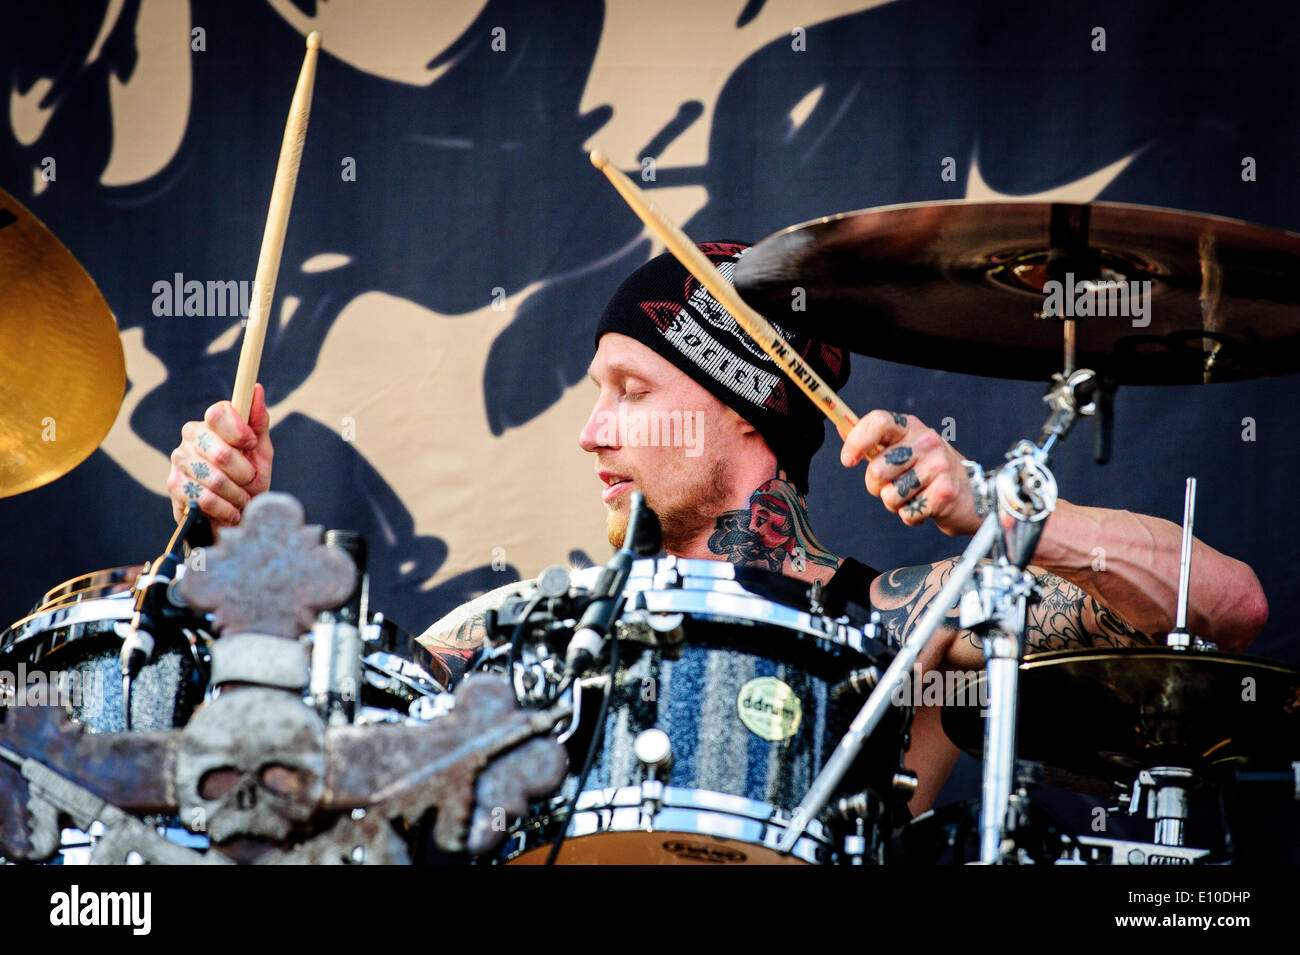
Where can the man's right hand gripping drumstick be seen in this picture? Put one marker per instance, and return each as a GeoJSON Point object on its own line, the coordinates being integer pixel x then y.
{"type": "Point", "coordinates": [221, 462]}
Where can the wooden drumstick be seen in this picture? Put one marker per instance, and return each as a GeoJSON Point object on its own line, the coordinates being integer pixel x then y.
{"type": "Point", "coordinates": [758, 328]}
{"type": "Point", "coordinates": [277, 221]}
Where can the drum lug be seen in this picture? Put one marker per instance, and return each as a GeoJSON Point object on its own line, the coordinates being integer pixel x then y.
{"type": "Point", "coordinates": [652, 800]}
{"type": "Point", "coordinates": [667, 575]}
{"type": "Point", "coordinates": [654, 750]}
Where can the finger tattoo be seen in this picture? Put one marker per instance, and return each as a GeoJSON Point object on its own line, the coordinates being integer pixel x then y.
{"type": "Point", "coordinates": [192, 491]}
{"type": "Point", "coordinates": [916, 507]}
{"type": "Point", "coordinates": [898, 455]}
{"type": "Point", "coordinates": [899, 419]}
{"type": "Point", "coordinates": [204, 441]}
{"type": "Point", "coordinates": [907, 483]}
{"type": "Point", "coordinates": [201, 470]}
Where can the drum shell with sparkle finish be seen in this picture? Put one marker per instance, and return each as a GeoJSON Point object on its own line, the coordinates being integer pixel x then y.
{"type": "Point", "coordinates": [746, 700]}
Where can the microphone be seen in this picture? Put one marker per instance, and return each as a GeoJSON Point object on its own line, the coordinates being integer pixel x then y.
{"type": "Point", "coordinates": [338, 640]}
{"type": "Point", "coordinates": [151, 600]}
{"type": "Point", "coordinates": [644, 537]}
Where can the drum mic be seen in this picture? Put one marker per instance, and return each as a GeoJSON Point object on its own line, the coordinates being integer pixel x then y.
{"type": "Point", "coordinates": [643, 538]}
{"type": "Point", "coordinates": [152, 600]}
{"type": "Point", "coordinates": [337, 640]}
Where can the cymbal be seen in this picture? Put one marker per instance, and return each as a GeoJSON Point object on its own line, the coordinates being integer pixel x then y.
{"type": "Point", "coordinates": [959, 286]}
{"type": "Point", "coordinates": [1099, 716]}
{"type": "Point", "coordinates": [62, 371]}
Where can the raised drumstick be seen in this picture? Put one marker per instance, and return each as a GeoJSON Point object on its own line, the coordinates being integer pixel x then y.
{"type": "Point", "coordinates": [758, 328]}
{"type": "Point", "coordinates": [277, 221]}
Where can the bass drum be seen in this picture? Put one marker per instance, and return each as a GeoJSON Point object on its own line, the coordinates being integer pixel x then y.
{"type": "Point", "coordinates": [67, 652]}
{"type": "Point", "coordinates": [727, 702]}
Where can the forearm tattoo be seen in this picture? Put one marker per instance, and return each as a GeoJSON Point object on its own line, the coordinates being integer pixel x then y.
{"type": "Point", "coordinates": [774, 529]}
{"type": "Point", "coordinates": [457, 647]}
{"type": "Point", "coordinates": [1066, 618]}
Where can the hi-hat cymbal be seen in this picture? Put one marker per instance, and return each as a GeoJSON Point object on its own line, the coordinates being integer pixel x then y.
{"type": "Point", "coordinates": [1101, 715]}
{"type": "Point", "coordinates": [959, 286]}
{"type": "Point", "coordinates": [62, 371]}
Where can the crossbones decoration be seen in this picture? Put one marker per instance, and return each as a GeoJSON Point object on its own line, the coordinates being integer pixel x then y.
{"type": "Point", "coordinates": [256, 769]}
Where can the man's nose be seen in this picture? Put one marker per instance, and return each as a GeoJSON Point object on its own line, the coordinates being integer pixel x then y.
{"type": "Point", "coordinates": [596, 434]}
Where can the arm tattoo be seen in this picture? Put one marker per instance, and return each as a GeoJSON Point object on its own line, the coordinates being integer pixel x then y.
{"type": "Point", "coordinates": [898, 455]}
{"type": "Point", "coordinates": [902, 595]}
{"type": "Point", "coordinates": [201, 470]}
{"type": "Point", "coordinates": [906, 483]}
{"type": "Point", "coordinates": [1065, 618]}
{"type": "Point", "coordinates": [916, 506]}
{"type": "Point", "coordinates": [458, 646]}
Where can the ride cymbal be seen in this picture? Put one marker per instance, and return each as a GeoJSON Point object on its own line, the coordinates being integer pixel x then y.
{"type": "Point", "coordinates": [960, 286]}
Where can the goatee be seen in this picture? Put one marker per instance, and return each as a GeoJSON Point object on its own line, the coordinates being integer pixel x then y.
{"type": "Point", "coordinates": [694, 512]}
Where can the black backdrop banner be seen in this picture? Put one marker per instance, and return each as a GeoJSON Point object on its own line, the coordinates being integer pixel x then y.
{"type": "Point", "coordinates": [450, 246]}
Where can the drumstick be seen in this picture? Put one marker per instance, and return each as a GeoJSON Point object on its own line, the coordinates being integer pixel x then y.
{"type": "Point", "coordinates": [758, 328]}
{"type": "Point", "coordinates": [277, 222]}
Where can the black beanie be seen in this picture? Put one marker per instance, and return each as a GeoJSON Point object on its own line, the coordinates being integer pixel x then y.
{"type": "Point", "coordinates": [662, 306]}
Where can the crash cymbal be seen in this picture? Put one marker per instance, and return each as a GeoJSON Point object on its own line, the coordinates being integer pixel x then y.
{"type": "Point", "coordinates": [1101, 715]}
{"type": "Point", "coordinates": [62, 372]}
{"type": "Point", "coordinates": [959, 286]}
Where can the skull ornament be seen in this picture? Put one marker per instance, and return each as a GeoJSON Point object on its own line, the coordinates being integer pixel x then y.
{"type": "Point", "coordinates": [251, 764]}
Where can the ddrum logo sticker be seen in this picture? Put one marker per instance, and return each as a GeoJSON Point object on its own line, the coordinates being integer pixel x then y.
{"type": "Point", "coordinates": [769, 708]}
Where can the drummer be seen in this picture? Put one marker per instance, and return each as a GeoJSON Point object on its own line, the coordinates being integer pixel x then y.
{"type": "Point", "coordinates": [664, 345]}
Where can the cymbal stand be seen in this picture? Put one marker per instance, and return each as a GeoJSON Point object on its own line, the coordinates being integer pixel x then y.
{"type": "Point", "coordinates": [1015, 504]}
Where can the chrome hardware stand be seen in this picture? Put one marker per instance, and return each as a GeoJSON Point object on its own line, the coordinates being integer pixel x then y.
{"type": "Point", "coordinates": [1015, 506]}
{"type": "Point", "coordinates": [1180, 638]}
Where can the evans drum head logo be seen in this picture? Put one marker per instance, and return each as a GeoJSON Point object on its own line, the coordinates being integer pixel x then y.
{"type": "Point", "coordinates": [769, 708]}
{"type": "Point", "coordinates": [699, 852]}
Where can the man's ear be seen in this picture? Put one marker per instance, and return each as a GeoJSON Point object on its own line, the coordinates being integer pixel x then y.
{"type": "Point", "coordinates": [742, 426]}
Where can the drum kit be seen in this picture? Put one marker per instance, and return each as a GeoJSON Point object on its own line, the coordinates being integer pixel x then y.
{"type": "Point", "coordinates": [655, 710]}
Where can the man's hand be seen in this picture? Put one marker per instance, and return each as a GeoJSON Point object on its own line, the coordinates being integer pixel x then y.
{"type": "Point", "coordinates": [222, 462]}
{"type": "Point", "coordinates": [914, 472]}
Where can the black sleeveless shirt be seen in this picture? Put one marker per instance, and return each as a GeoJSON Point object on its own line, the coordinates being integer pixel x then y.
{"type": "Point", "coordinates": [849, 590]}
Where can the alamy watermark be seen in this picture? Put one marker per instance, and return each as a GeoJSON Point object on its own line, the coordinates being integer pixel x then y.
{"type": "Point", "coordinates": [660, 429]}
{"type": "Point", "coordinates": [179, 296]}
{"type": "Point", "coordinates": [1101, 298]}
{"type": "Point", "coordinates": [943, 688]}
{"type": "Point", "coordinates": [83, 691]}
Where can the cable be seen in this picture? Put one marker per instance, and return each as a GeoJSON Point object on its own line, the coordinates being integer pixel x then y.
{"type": "Point", "coordinates": [596, 735]}
{"type": "Point", "coordinates": [529, 609]}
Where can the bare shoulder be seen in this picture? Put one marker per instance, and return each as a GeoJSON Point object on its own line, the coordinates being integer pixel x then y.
{"type": "Point", "coordinates": [901, 596]}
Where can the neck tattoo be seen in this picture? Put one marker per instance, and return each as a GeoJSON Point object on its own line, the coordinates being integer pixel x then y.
{"type": "Point", "coordinates": [772, 533]}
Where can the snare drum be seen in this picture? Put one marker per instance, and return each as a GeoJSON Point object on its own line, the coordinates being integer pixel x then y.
{"type": "Point", "coordinates": [724, 709]}
{"type": "Point", "coordinates": [71, 643]}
